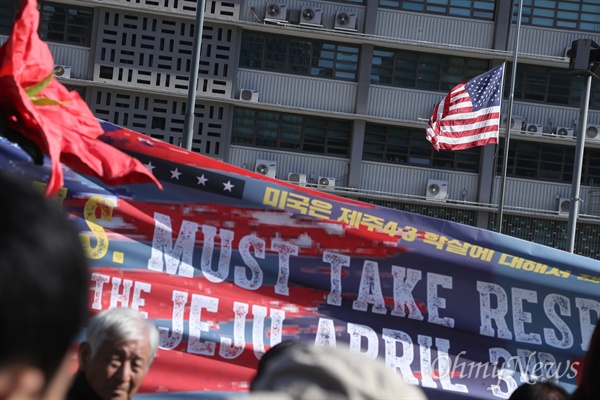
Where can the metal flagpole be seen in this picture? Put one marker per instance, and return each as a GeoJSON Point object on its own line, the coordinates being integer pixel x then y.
{"type": "Point", "coordinates": [188, 124]}
{"type": "Point", "coordinates": [578, 164]}
{"type": "Point", "coordinates": [511, 96]}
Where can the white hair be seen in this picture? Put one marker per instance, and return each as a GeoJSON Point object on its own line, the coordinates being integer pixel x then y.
{"type": "Point", "coordinates": [119, 324]}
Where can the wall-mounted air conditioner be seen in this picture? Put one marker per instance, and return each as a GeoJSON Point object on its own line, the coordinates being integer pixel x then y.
{"type": "Point", "coordinates": [62, 71]}
{"type": "Point", "coordinates": [311, 16]}
{"type": "Point", "coordinates": [276, 12]}
{"type": "Point", "coordinates": [563, 131]}
{"type": "Point", "coordinates": [266, 167]}
{"type": "Point", "coordinates": [564, 205]}
{"type": "Point", "coordinates": [592, 132]}
{"type": "Point", "coordinates": [325, 182]}
{"type": "Point", "coordinates": [534, 129]}
{"type": "Point", "coordinates": [249, 95]}
{"type": "Point", "coordinates": [345, 20]}
{"type": "Point", "coordinates": [298, 178]}
{"type": "Point", "coordinates": [516, 122]}
{"type": "Point", "coordinates": [436, 190]}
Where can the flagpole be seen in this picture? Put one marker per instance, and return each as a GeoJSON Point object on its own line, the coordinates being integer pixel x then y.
{"type": "Point", "coordinates": [511, 96]}
{"type": "Point", "coordinates": [188, 122]}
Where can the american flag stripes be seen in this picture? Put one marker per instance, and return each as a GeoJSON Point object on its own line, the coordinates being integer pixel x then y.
{"type": "Point", "coordinates": [469, 115]}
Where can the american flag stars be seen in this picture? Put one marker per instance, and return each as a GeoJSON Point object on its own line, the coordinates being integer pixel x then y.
{"type": "Point", "coordinates": [202, 180]}
{"type": "Point", "coordinates": [205, 180]}
{"type": "Point", "coordinates": [485, 89]}
{"type": "Point", "coordinates": [228, 186]}
{"type": "Point", "coordinates": [175, 174]}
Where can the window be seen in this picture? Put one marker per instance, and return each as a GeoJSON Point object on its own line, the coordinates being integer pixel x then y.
{"type": "Point", "coordinates": [423, 70]}
{"type": "Point", "coordinates": [401, 145]}
{"type": "Point", "coordinates": [293, 132]}
{"type": "Point", "coordinates": [8, 11]}
{"type": "Point", "coordinates": [575, 15]}
{"type": "Point", "coordinates": [547, 162]}
{"type": "Point", "coordinates": [298, 56]}
{"type": "Point", "coordinates": [64, 23]}
{"type": "Point", "coordinates": [479, 9]}
{"type": "Point", "coordinates": [550, 85]}
{"type": "Point", "coordinates": [361, 2]}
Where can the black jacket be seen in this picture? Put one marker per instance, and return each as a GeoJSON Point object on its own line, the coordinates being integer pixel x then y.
{"type": "Point", "coordinates": [81, 389]}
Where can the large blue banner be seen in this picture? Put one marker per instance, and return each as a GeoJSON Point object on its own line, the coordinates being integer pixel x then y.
{"type": "Point", "coordinates": [228, 263]}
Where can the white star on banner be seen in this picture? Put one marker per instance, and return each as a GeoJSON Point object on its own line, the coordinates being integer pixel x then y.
{"type": "Point", "coordinates": [150, 166]}
{"type": "Point", "coordinates": [228, 186]}
{"type": "Point", "coordinates": [202, 180]}
{"type": "Point", "coordinates": [175, 174]}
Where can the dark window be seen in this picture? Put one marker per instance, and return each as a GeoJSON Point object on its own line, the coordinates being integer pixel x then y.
{"type": "Point", "coordinates": [293, 132]}
{"type": "Point", "coordinates": [299, 56]}
{"type": "Point", "coordinates": [8, 11]}
{"type": "Point", "coordinates": [479, 9]}
{"type": "Point", "coordinates": [63, 23]}
{"type": "Point", "coordinates": [401, 145]}
{"type": "Point", "coordinates": [550, 85]}
{"type": "Point", "coordinates": [349, 1]}
{"type": "Point", "coordinates": [576, 15]}
{"type": "Point", "coordinates": [423, 70]}
{"type": "Point", "coordinates": [548, 162]}
{"type": "Point", "coordinates": [76, 88]}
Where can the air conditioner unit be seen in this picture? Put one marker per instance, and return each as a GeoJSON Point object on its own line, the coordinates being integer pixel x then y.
{"type": "Point", "coordinates": [563, 131]}
{"type": "Point", "coordinates": [436, 190]}
{"type": "Point", "coordinates": [534, 129]}
{"type": "Point", "coordinates": [311, 16]}
{"type": "Point", "coordinates": [62, 71]}
{"type": "Point", "coordinates": [298, 178]}
{"type": "Point", "coordinates": [564, 205]}
{"type": "Point", "coordinates": [276, 12]}
{"type": "Point", "coordinates": [249, 95]}
{"type": "Point", "coordinates": [266, 167]}
{"type": "Point", "coordinates": [516, 122]}
{"type": "Point", "coordinates": [592, 132]}
{"type": "Point", "coordinates": [326, 182]}
{"type": "Point", "coordinates": [345, 20]}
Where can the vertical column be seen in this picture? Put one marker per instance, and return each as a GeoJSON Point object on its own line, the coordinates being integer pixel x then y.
{"type": "Point", "coordinates": [503, 23]}
{"type": "Point", "coordinates": [360, 108]}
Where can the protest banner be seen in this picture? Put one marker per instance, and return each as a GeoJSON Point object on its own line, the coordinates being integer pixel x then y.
{"type": "Point", "coordinates": [228, 263]}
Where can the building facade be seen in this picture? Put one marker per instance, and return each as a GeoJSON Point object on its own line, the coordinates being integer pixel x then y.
{"type": "Point", "coordinates": [336, 94]}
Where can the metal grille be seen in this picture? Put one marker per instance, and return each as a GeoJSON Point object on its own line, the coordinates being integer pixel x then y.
{"type": "Point", "coordinates": [552, 233]}
{"type": "Point", "coordinates": [147, 51]}
{"type": "Point", "coordinates": [162, 117]}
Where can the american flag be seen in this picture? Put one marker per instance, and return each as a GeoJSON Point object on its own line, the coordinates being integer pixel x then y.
{"type": "Point", "coordinates": [469, 115]}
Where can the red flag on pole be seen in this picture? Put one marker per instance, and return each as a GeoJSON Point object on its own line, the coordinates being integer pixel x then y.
{"type": "Point", "coordinates": [59, 122]}
{"type": "Point", "coordinates": [469, 115]}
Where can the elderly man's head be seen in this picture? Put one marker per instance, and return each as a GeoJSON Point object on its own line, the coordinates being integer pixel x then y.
{"type": "Point", "coordinates": [116, 355]}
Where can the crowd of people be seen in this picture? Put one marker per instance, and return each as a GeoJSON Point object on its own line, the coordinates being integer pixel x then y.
{"type": "Point", "coordinates": [44, 290]}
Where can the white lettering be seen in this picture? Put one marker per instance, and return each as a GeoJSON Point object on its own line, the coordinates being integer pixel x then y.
{"type": "Point", "coordinates": [178, 257]}
{"type": "Point", "coordinates": [337, 261]}
{"type": "Point", "coordinates": [285, 250]}
{"type": "Point", "coordinates": [487, 313]}
{"type": "Point", "coordinates": [197, 326]}
{"type": "Point", "coordinates": [403, 288]}
{"type": "Point", "coordinates": [369, 291]}
{"type": "Point", "coordinates": [520, 316]}
{"type": "Point", "coordinates": [208, 247]}
{"type": "Point", "coordinates": [256, 278]}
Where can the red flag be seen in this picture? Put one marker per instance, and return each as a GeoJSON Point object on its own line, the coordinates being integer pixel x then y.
{"type": "Point", "coordinates": [59, 122]}
{"type": "Point", "coordinates": [469, 115]}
